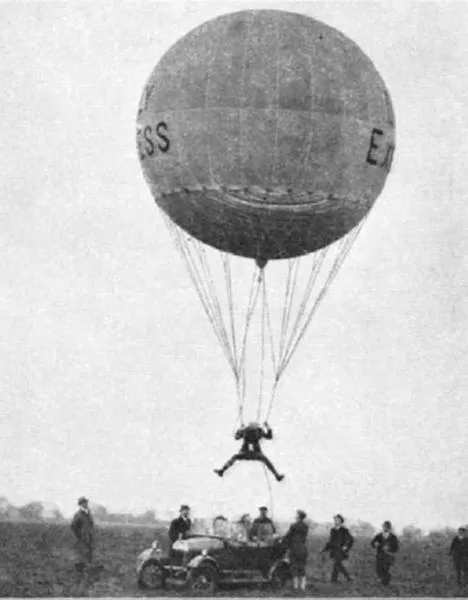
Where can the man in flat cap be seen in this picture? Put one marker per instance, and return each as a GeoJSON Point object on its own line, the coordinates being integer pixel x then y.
{"type": "Point", "coordinates": [180, 526]}
{"type": "Point", "coordinates": [386, 544]}
{"type": "Point", "coordinates": [263, 527]}
{"type": "Point", "coordinates": [339, 545]}
{"type": "Point", "coordinates": [82, 526]}
{"type": "Point", "coordinates": [459, 552]}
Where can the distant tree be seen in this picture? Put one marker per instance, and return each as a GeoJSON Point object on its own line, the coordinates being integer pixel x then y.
{"type": "Point", "coordinates": [363, 529]}
{"type": "Point", "coordinates": [313, 525]}
{"type": "Point", "coordinates": [441, 535]}
{"type": "Point", "coordinates": [4, 507]}
{"type": "Point", "coordinates": [121, 518]}
{"type": "Point", "coordinates": [146, 518]}
{"type": "Point", "coordinates": [31, 511]}
{"type": "Point", "coordinates": [57, 515]}
{"type": "Point", "coordinates": [412, 533]}
{"type": "Point", "coordinates": [13, 513]}
{"type": "Point", "coordinates": [100, 513]}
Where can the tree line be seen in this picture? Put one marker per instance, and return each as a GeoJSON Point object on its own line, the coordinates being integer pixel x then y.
{"type": "Point", "coordinates": [46, 512]}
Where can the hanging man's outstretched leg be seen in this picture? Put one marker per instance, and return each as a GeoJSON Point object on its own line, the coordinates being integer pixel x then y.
{"type": "Point", "coordinates": [267, 462]}
{"type": "Point", "coordinates": [229, 464]}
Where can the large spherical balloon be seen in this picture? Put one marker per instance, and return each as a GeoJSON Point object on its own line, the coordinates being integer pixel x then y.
{"type": "Point", "coordinates": [265, 133]}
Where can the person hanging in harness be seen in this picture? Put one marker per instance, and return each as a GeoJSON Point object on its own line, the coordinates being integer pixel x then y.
{"type": "Point", "coordinates": [250, 449]}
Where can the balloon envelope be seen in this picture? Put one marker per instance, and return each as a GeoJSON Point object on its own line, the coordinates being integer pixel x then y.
{"type": "Point", "coordinates": [265, 134]}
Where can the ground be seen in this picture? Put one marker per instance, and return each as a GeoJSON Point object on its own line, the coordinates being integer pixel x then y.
{"type": "Point", "coordinates": [36, 559]}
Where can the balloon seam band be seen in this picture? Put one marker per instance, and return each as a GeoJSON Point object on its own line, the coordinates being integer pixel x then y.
{"type": "Point", "coordinates": [257, 193]}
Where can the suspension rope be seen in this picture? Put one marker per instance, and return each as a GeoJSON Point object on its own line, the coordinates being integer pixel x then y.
{"type": "Point", "coordinates": [346, 247]}
{"type": "Point", "coordinates": [227, 274]}
{"type": "Point", "coordinates": [314, 272]}
{"type": "Point", "coordinates": [215, 297]}
{"type": "Point", "coordinates": [271, 507]}
{"type": "Point", "coordinates": [292, 268]}
{"type": "Point", "coordinates": [187, 249]}
{"type": "Point", "coordinates": [235, 342]}
{"type": "Point", "coordinates": [253, 297]}
{"type": "Point", "coordinates": [207, 301]}
{"type": "Point", "coordinates": [263, 326]}
{"type": "Point", "coordinates": [240, 390]}
{"type": "Point", "coordinates": [272, 398]}
{"type": "Point", "coordinates": [270, 331]}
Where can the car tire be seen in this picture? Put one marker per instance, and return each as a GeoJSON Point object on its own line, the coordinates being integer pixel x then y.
{"type": "Point", "coordinates": [203, 581]}
{"type": "Point", "coordinates": [280, 577]}
{"type": "Point", "coordinates": [151, 576]}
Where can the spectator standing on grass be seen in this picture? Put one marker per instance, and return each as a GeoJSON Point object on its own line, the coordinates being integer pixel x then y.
{"type": "Point", "coordinates": [459, 552]}
{"type": "Point", "coordinates": [339, 545]}
{"type": "Point", "coordinates": [295, 542]}
{"type": "Point", "coordinates": [180, 526]}
{"type": "Point", "coordinates": [386, 544]}
{"type": "Point", "coordinates": [82, 526]}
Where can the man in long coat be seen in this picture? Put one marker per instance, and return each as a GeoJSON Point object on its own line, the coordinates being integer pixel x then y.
{"type": "Point", "coordinates": [82, 526]}
{"type": "Point", "coordinates": [459, 553]}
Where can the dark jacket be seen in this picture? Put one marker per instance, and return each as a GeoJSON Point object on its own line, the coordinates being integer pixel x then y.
{"type": "Point", "coordinates": [179, 526]}
{"type": "Point", "coordinates": [459, 548]}
{"type": "Point", "coordinates": [340, 543]}
{"type": "Point", "coordinates": [82, 526]}
{"type": "Point", "coordinates": [295, 540]}
{"type": "Point", "coordinates": [252, 437]}
{"type": "Point", "coordinates": [262, 526]}
{"type": "Point", "coordinates": [384, 546]}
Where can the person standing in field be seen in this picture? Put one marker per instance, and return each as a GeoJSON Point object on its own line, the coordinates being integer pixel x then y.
{"type": "Point", "coordinates": [82, 526]}
{"type": "Point", "coordinates": [387, 545]}
{"type": "Point", "coordinates": [295, 542]}
{"type": "Point", "coordinates": [459, 552]}
{"type": "Point", "coordinates": [340, 543]}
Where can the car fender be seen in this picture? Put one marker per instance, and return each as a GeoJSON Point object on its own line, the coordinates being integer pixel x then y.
{"type": "Point", "coordinates": [143, 558]}
{"type": "Point", "coordinates": [201, 560]}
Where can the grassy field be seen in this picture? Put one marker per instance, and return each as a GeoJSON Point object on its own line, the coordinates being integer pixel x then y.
{"type": "Point", "coordinates": [37, 559]}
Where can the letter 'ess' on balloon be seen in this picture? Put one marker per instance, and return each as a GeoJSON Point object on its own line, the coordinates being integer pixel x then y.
{"type": "Point", "coordinates": [265, 134]}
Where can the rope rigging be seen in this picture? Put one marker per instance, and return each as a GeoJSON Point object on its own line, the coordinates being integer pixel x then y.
{"type": "Point", "coordinates": [233, 327]}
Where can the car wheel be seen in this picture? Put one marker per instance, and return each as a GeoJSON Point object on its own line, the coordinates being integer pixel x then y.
{"type": "Point", "coordinates": [203, 580]}
{"type": "Point", "coordinates": [151, 576]}
{"type": "Point", "coordinates": [280, 577]}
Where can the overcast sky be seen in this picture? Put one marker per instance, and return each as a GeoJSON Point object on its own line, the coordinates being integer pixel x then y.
{"type": "Point", "coordinates": [112, 383]}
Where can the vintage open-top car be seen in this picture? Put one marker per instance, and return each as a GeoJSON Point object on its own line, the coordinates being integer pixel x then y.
{"type": "Point", "coordinates": [201, 563]}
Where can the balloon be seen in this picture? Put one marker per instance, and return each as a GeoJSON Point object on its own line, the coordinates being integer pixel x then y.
{"type": "Point", "coordinates": [265, 134]}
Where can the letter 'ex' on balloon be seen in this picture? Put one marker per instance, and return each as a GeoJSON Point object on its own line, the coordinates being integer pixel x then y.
{"type": "Point", "coordinates": [380, 152]}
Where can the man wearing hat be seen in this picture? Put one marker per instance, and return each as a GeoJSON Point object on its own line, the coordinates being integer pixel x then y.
{"type": "Point", "coordinates": [459, 552]}
{"type": "Point", "coordinates": [82, 526]}
{"type": "Point", "coordinates": [263, 527]}
{"type": "Point", "coordinates": [386, 544]}
{"type": "Point", "coordinates": [180, 526]}
{"type": "Point", "coordinates": [339, 545]}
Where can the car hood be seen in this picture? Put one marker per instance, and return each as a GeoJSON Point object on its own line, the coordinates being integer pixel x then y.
{"type": "Point", "coordinates": [198, 544]}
